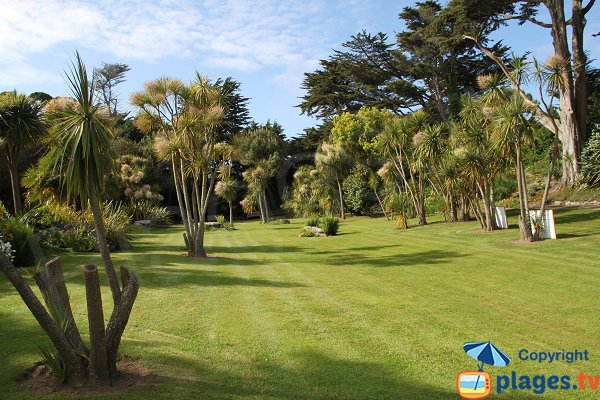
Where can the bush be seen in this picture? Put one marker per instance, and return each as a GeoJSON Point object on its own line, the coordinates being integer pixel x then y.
{"type": "Point", "coordinates": [117, 224]}
{"type": "Point", "coordinates": [148, 210]}
{"type": "Point", "coordinates": [590, 160]}
{"type": "Point", "coordinates": [330, 226]}
{"type": "Point", "coordinates": [20, 235]}
{"type": "Point", "coordinates": [221, 220]}
{"type": "Point", "coordinates": [401, 222]}
{"type": "Point", "coordinates": [357, 193]}
{"type": "Point", "coordinates": [313, 220]}
{"type": "Point", "coordinates": [6, 248]}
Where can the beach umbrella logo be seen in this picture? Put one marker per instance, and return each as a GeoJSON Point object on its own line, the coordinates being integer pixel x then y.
{"type": "Point", "coordinates": [478, 384]}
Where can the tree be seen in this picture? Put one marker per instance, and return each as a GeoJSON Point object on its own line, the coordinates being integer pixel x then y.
{"type": "Point", "coordinates": [81, 154]}
{"type": "Point", "coordinates": [572, 110]}
{"type": "Point", "coordinates": [21, 126]}
{"type": "Point", "coordinates": [185, 121]}
{"type": "Point", "coordinates": [427, 67]}
{"type": "Point", "coordinates": [107, 77]}
{"type": "Point", "coordinates": [237, 115]}
{"type": "Point", "coordinates": [227, 188]}
{"type": "Point", "coordinates": [513, 130]}
{"type": "Point", "coordinates": [333, 163]}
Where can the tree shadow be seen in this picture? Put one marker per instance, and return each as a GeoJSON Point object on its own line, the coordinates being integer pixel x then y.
{"type": "Point", "coordinates": [569, 217]}
{"type": "Point", "coordinates": [161, 277]}
{"type": "Point", "coordinates": [312, 375]}
{"type": "Point", "coordinates": [428, 257]}
{"type": "Point", "coordinates": [262, 248]}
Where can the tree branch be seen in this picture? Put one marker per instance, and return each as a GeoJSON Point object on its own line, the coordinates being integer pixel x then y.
{"type": "Point", "coordinates": [588, 7]}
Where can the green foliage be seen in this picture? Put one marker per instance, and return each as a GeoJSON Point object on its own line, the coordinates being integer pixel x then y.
{"type": "Point", "coordinates": [52, 360]}
{"type": "Point", "coordinates": [357, 193]}
{"type": "Point", "coordinates": [221, 220]}
{"type": "Point", "coordinates": [306, 233]}
{"type": "Point", "coordinates": [20, 235]}
{"type": "Point", "coordinates": [435, 204]}
{"type": "Point", "coordinates": [330, 225]}
{"type": "Point", "coordinates": [590, 160]}
{"type": "Point", "coordinates": [117, 224]}
{"type": "Point", "coordinates": [313, 220]}
{"type": "Point", "coordinates": [148, 210]}
{"type": "Point", "coordinates": [505, 186]}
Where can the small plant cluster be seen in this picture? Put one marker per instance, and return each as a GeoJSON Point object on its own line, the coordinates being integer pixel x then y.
{"type": "Point", "coordinates": [223, 225]}
{"type": "Point", "coordinates": [7, 249]}
{"type": "Point", "coordinates": [328, 225]}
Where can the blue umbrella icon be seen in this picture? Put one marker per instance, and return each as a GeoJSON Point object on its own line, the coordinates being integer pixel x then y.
{"type": "Point", "coordinates": [487, 353]}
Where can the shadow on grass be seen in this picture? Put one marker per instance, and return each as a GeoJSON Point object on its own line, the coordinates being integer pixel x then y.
{"type": "Point", "coordinates": [569, 217]}
{"type": "Point", "coordinates": [163, 277]}
{"type": "Point", "coordinates": [398, 260]}
{"type": "Point", "coordinates": [316, 376]}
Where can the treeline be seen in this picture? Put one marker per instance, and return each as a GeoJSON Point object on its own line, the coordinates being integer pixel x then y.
{"type": "Point", "coordinates": [443, 114]}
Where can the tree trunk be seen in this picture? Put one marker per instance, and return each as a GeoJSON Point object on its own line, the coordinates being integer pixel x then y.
{"type": "Point", "coordinates": [381, 204]}
{"type": "Point", "coordinates": [74, 364]}
{"type": "Point", "coordinates": [50, 279]}
{"type": "Point", "coordinates": [341, 194]}
{"type": "Point", "coordinates": [16, 188]}
{"type": "Point", "coordinates": [267, 214]}
{"type": "Point", "coordinates": [231, 214]}
{"type": "Point", "coordinates": [579, 73]}
{"type": "Point", "coordinates": [98, 363]}
{"type": "Point", "coordinates": [421, 204]}
{"type": "Point", "coordinates": [119, 318]}
{"type": "Point", "coordinates": [103, 246]}
{"type": "Point", "coordinates": [524, 225]}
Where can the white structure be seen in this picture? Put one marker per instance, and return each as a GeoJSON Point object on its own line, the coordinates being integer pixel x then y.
{"type": "Point", "coordinates": [548, 229]}
{"type": "Point", "coordinates": [500, 217]}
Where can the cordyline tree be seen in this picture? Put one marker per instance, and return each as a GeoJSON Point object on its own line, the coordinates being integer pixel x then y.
{"type": "Point", "coordinates": [185, 120]}
{"type": "Point", "coordinates": [81, 151]}
{"type": "Point", "coordinates": [567, 34]}
{"type": "Point", "coordinates": [21, 125]}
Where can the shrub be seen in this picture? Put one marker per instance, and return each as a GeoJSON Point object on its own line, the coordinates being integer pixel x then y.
{"type": "Point", "coordinates": [590, 160]}
{"type": "Point", "coordinates": [117, 223]}
{"type": "Point", "coordinates": [221, 220]}
{"type": "Point", "coordinates": [313, 220]}
{"type": "Point", "coordinates": [7, 249]}
{"type": "Point", "coordinates": [20, 235]}
{"type": "Point", "coordinates": [3, 211]}
{"type": "Point", "coordinates": [330, 226]}
{"type": "Point", "coordinates": [357, 193]}
{"type": "Point", "coordinates": [401, 222]}
{"type": "Point", "coordinates": [160, 216]}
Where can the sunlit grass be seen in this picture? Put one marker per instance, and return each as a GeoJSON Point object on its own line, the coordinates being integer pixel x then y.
{"type": "Point", "coordinates": [372, 313]}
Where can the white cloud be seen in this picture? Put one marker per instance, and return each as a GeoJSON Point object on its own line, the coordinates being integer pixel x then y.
{"type": "Point", "coordinates": [238, 34]}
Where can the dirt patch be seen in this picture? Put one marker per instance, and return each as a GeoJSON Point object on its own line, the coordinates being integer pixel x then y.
{"type": "Point", "coordinates": [39, 380]}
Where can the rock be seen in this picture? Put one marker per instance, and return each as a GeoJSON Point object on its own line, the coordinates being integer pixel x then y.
{"type": "Point", "coordinates": [315, 229]}
{"type": "Point", "coordinates": [146, 223]}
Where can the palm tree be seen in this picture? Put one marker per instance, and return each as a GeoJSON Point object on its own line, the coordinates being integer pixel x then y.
{"type": "Point", "coordinates": [21, 125]}
{"type": "Point", "coordinates": [83, 157]}
{"type": "Point", "coordinates": [513, 130]}
{"type": "Point", "coordinates": [334, 163]}
{"type": "Point", "coordinates": [227, 189]}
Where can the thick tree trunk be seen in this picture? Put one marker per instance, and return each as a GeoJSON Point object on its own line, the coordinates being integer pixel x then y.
{"type": "Point", "coordinates": [98, 363]}
{"type": "Point", "coordinates": [119, 318]}
{"type": "Point", "coordinates": [103, 246]}
{"type": "Point", "coordinates": [16, 188]}
{"type": "Point", "coordinates": [579, 73]}
{"type": "Point", "coordinates": [74, 364]}
{"type": "Point", "coordinates": [51, 282]}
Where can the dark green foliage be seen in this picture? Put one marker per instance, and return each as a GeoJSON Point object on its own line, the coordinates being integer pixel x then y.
{"type": "Point", "coordinates": [593, 93]}
{"type": "Point", "coordinates": [313, 220]}
{"type": "Point", "coordinates": [590, 160]}
{"type": "Point", "coordinates": [237, 115]}
{"type": "Point", "coordinates": [505, 186]}
{"type": "Point", "coordinates": [330, 225]}
{"type": "Point", "coordinates": [18, 232]}
{"type": "Point", "coordinates": [357, 193]}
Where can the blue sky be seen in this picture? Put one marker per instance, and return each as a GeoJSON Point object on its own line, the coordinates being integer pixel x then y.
{"type": "Point", "coordinates": [267, 45]}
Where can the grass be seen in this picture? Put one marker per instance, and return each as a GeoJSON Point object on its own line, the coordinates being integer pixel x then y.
{"type": "Point", "coordinates": [372, 313]}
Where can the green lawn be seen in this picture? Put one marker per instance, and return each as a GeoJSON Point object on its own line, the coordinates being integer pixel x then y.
{"type": "Point", "coordinates": [373, 313]}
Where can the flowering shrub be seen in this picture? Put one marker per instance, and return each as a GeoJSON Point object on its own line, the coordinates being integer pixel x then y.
{"type": "Point", "coordinates": [7, 249]}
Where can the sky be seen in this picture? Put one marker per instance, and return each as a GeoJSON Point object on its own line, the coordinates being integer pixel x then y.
{"type": "Point", "coordinates": [266, 45]}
